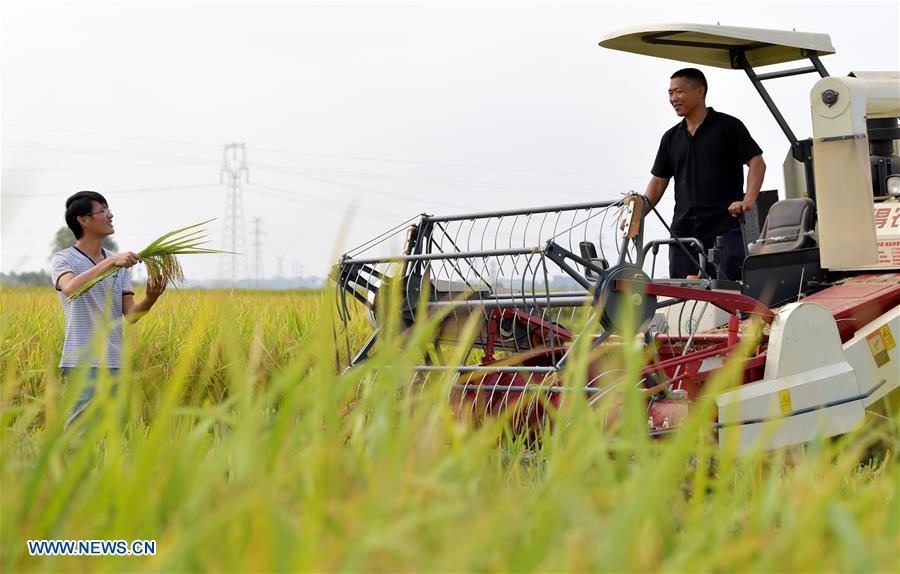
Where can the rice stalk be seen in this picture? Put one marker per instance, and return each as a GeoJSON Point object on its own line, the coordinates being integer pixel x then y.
{"type": "Point", "coordinates": [159, 256]}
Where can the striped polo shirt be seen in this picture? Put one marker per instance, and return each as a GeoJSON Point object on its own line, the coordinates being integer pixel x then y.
{"type": "Point", "coordinates": [98, 309]}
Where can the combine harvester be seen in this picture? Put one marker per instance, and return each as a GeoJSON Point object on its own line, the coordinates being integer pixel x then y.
{"type": "Point", "coordinates": [823, 273]}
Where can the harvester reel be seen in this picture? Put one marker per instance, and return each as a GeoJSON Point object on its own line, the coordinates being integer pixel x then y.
{"type": "Point", "coordinates": [620, 290]}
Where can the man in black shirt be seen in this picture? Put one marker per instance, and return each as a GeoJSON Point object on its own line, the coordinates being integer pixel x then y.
{"type": "Point", "coordinates": [706, 153]}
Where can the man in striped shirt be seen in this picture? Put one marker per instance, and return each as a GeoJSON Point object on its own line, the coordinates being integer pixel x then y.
{"type": "Point", "coordinates": [102, 308]}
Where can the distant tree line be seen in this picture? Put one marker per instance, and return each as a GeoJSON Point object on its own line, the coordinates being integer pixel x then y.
{"type": "Point", "coordinates": [27, 279]}
{"type": "Point", "coordinates": [63, 239]}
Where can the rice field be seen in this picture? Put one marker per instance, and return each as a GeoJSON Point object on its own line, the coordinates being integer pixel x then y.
{"type": "Point", "coordinates": [232, 442]}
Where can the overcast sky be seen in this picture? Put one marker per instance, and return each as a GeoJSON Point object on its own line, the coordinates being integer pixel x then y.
{"type": "Point", "coordinates": [393, 108]}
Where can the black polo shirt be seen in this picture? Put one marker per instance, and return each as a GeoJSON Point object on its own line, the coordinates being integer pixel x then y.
{"type": "Point", "coordinates": [708, 168]}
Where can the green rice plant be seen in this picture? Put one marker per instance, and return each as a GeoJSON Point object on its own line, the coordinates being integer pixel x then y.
{"type": "Point", "coordinates": [159, 256]}
{"type": "Point", "coordinates": [233, 442]}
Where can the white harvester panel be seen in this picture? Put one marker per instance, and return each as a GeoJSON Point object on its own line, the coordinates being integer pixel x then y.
{"type": "Point", "coordinates": [848, 235]}
{"type": "Point", "coordinates": [844, 203]}
{"type": "Point", "coordinates": [805, 368]}
{"type": "Point", "coordinates": [693, 317]}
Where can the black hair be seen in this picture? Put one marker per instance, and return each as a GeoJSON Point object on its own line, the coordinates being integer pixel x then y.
{"type": "Point", "coordinates": [694, 76]}
{"type": "Point", "coordinates": [81, 204]}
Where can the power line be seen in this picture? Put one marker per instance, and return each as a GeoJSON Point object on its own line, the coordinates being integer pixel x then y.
{"type": "Point", "coordinates": [354, 186]}
{"type": "Point", "coordinates": [109, 135]}
{"type": "Point", "coordinates": [87, 150]}
{"type": "Point", "coordinates": [410, 179]}
{"type": "Point", "coordinates": [99, 167]}
{"type": "Point", "coordinates": [376, 159]}
{"type": "Point", "coordinates": [309, 172]}
{"type": "Point", "coordinates": [110, 191]}
{"type": "Point", "coordinates": [432, 163]}
{"type": "Point", "coordinates": [305, 199]}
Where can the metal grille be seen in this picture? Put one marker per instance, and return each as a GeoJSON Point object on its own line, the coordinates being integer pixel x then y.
{"type": "Point", "coordinates": [527, 273]}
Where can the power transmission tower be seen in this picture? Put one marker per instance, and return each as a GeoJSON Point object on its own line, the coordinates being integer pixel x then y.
{"type": "Point", "coordinates": [280, 265]}
{"type": "Point", "coordinates": [234, 168]}
{"type": "Point", "coordinates": [257, 261]}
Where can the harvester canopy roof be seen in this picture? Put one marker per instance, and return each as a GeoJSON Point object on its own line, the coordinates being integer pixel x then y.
{"type": "Point", "coordinates": [711, 45]}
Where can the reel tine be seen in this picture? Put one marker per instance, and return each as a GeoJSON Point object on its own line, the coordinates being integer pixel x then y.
{"type": "Point", "coordinates": [462, 399]}
{"type": "Point", "coordinates": [414, 380]}
{"type": "Point", "coordinates": [571, 227]}
{"type": "Point", "coordinates": [523, 396]}
{"type": "Point", "coordinates": [507, 394]}
{"type": "Point", "coordinates": [490, 400]}
{"type": "Point", "coordinates": [474, 407]}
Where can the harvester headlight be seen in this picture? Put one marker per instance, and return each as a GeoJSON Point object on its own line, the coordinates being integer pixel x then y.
{"type": "Point", "coordinates": [893, 185]}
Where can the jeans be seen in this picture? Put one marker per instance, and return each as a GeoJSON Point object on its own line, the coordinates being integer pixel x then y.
{"type": "Point", "coordinates": [733, 253]}
{"type": "Point", "coordinates": [87, 394]}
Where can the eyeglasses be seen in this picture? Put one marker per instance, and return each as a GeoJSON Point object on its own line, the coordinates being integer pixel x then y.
{"type": "Point", "coordinates": [105, 211]}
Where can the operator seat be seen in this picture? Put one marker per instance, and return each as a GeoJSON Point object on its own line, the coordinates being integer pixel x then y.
{"type": "Point", "coordinates": [790, 225]}
{"type": "Point", "coordinates": [784, 262]}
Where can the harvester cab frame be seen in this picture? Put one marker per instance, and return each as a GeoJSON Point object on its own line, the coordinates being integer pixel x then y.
{"type": "Point", "coordinates": [740, 49]}
{"type": "Point", "coordinates": [846, 168]}
{"type": "Point", "coordinates": [822, 276]}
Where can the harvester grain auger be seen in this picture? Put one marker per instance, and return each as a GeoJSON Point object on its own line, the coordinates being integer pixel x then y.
{"type": "Point", "coordinates": [822, 271]}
